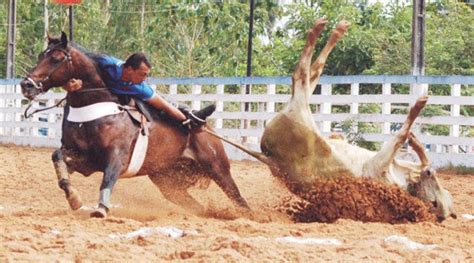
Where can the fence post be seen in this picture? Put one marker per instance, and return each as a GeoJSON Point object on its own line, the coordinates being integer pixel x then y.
{"type": "Point", "coordinates": [261, 108]}
{"type": "Point", "coordinates": [173, 90]}
{"type": "Point", "coordinates": [245, 123]}
{"type": "Point", "coordinates": [326, 89]}
{"type": "Point", "coordinates": [10, 117]}
{"type": "Point", "coordinates": [18, 115]}
{"type": "Point", "coordinates": [196, 90]}
{"type": "Point", "coordinates": [271, 90]}
{"type": "Point", "coordinates": [455, 110]}
{"type": "Point", "coordinates": [51, 119]}
{"type": "Point", "coordinates": [2, 105]}
{"type": "Point", "coordinates": [355, 105]}
{"type": "Point", "coordinates": [34, 130]}
{"type": "Point", "coordinates": [220, 106]}
{"type": "Point", "coordinates": [386, 106]}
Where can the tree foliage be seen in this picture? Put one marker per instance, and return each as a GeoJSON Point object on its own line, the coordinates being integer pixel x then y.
{"type": "Point", "coordinates": [209, 38]}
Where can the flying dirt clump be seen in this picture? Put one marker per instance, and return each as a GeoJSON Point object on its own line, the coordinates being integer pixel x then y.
{"type": "Point", "coordinates": [358, 199]}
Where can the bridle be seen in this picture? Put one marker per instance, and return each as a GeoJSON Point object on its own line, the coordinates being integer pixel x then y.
{"type": "Point", "coordinates": [38, 85]}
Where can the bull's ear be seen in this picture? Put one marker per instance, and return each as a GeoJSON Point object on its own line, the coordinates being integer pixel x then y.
{"type": "Point", "coordinates": [63, 39]}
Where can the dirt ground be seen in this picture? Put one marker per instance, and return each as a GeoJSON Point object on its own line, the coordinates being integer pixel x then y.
{"type": "Point", "coordinates": [37, 225]}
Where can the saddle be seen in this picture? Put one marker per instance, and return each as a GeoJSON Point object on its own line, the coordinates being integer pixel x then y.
{"type": "Point", "coordinates": [142, 113]}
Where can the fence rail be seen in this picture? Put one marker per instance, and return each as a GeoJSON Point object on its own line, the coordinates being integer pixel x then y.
{"type": "Point", "coordinates": [339, 99]}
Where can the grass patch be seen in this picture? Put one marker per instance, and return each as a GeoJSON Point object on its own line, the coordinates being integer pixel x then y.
{"type": "Point", "coordinates": [457, 169]}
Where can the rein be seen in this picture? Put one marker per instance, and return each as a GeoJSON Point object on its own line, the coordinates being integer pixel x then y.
{"type": "Point", "coordinates": [28, 115]}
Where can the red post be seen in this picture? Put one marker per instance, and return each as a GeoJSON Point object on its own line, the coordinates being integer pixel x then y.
{"type": "Point", "coordinates": [67, 2]}
{"type": "Point", "coordinates": [71, 16]}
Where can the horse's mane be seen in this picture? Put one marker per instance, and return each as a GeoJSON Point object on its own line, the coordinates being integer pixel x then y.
{"type": "Point", "coordinates": [93, 57]}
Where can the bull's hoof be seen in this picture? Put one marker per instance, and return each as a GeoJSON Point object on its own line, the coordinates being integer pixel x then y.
{"type": "Point", "coordinates": [74, 200]}
{"type": "Point", "coordinates": [100, 212]}
{"type": "Point", "coordinates": [342, 26]}
{"type": "Point", "coordinates": [421, 101]}
{"type": "Point", "coordinates": [419, 105]}
{"type": "Point", "coordinates": [320, 23]}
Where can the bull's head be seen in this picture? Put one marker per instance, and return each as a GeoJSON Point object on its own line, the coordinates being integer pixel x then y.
{"type": "Point", "coordinates": [429, 189]}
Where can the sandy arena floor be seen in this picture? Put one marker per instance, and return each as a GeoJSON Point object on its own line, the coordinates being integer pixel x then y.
{"type": "Point", "coordinates": [37, 225]}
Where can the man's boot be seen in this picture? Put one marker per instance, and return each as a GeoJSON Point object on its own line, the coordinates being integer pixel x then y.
{"type": "Point", "coordinates": [196, 118]}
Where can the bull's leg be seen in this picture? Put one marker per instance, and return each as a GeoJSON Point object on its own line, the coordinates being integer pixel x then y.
{"type": "Point", "coordinates": [113, 170]}
{"type": "Point", "coordinates": [377, 165]}
{"type": "Point", "coordinates": [62, 173]}
{"type": "Point", "coordinates": [419, 149]}
{"type": "Point", "coordinates": [300, 89]}
{"type": "Point", "coordinates": [318, 65]}
{"type": "Point", "coordinates": [307, 75]}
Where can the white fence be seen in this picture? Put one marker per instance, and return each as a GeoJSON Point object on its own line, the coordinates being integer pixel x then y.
{"type": "Point", "coordinates": [386, 96]}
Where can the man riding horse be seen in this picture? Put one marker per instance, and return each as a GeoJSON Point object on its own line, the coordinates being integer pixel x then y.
{"type": "Point", "coordinates": [128, 78]}
{"type": "Point", "coordinates": [99, 135]}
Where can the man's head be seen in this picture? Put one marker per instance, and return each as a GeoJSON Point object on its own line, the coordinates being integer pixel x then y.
{"type": "Point", "coordinates": [136, 68]}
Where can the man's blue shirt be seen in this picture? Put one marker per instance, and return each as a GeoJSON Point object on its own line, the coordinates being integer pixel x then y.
{"type": "Point", "coordinates": [113, 67]}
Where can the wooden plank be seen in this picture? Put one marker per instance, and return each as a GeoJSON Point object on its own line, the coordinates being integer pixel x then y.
{"type": "Point", "coordinates": [333, 99]}
{"type": "Point", "coordinates": [47, 96]}
{"type": "Point", "coordinates": [426, 139]}
{"type": "Point", "coordinates": [339, 117]}
{"type": "Point", "coordinates": [376, 79]}
{"type": "Point", "coordinates": [240, 132]}
{"type": "Point", "coordinates": [31, 124]}
{"type": "Point", "coordinates": [22, 110]}
{"type": "Point", "coordinates": [334, 117]}
{"type": "Point", "coordinates": [373, 137]}
{"type": "Point", "coordinates": [283, 98]}
{"type": "Point", "coordinates": [31, 141]}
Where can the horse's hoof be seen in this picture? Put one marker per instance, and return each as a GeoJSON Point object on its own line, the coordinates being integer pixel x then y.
{"type": "Point", "coordinates": [74, 201]}
{"type": "Point", "coordinates": [100, 212]}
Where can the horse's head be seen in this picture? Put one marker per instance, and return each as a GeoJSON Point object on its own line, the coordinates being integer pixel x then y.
{"type": "Point", "coordinates": [54, 68]}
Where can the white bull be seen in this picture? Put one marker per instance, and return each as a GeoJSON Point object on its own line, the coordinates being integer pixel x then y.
{"type": "Point", "coordinates": [298, 154]}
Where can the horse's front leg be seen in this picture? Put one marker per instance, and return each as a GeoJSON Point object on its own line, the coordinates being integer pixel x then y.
{"type": "Point", "coordinates": [113, 170]}
{"type": "Point", "coordinates": [62, 173]}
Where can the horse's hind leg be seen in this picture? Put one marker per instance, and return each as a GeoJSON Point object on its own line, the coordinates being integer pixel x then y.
{"type": "Point", "coordinates": [176, 192]}
{"type": "Point", "coordinates": [62, 173]}
{"type": "Point", "coordinates": [378, 164]}
{"type": "Point", "coordinates": [209, 152]}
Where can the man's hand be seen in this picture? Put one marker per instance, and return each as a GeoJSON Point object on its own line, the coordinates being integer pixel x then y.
{"type": "Point", "coordinates": [73, 85]}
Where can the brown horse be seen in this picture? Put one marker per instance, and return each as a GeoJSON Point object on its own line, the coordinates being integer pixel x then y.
{"type": "Point", "coordinates": [175, 160]}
